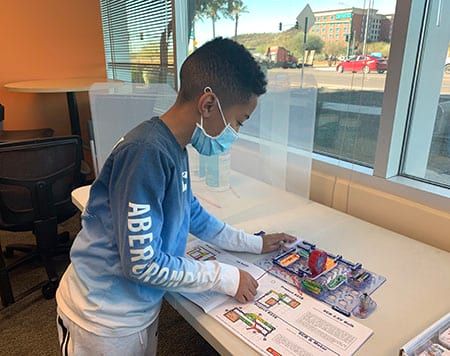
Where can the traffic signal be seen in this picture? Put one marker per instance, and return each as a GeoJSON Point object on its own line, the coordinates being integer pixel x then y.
{"type": "Point", "coordinates": [296, 25]}
{"type": "Point", "coordinates": [347, 37]}
{"type": "Point", "coordinates": [280, 26]}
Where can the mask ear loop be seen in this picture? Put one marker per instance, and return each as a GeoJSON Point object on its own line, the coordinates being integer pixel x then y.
{"type": "Point", "coordinates": [221, 112]}
{"type": "Point", "coordinates": [209, 90]}
{"type": "Point", "coordinates": [206, 90]}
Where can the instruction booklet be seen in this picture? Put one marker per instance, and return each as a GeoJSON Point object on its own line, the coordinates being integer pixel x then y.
{"type": "Point", "coordinates": [281, 320]}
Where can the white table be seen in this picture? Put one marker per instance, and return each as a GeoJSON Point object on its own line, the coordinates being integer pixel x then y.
{"type": "Point", "coordinates": [417, 290]}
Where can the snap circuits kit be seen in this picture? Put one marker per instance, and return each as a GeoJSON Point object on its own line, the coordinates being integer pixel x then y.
{"type": "Point", "coordinates": [344, 285]}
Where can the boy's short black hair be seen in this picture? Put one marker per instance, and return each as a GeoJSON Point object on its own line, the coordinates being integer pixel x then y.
{"type": "Point", "coordinates": [227, 67]}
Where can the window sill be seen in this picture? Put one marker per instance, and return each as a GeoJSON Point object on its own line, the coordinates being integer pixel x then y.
{"type": "Point", "coordinates": [415, 191]}
{"type": "Point", "coordinates": [426, 187]}
{"type": "Point", "coordinates": [354, 167]}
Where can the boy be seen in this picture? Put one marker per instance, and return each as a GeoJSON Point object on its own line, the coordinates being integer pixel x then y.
{"type": "Point", "coordinates": [141, 209]}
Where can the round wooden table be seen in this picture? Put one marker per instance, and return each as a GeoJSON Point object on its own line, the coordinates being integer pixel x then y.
{"type": "Point", "coordinates": [69, 86]}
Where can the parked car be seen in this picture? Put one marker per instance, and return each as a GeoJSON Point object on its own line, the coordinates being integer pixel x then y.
{"type": "Point", "coordinates": [346, 58]}
{"type": "Point", "coordinates": [366, 64]}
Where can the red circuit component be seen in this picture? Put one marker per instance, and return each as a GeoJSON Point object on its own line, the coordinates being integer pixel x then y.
{"type": "Point", "coordinates": [317, 261]}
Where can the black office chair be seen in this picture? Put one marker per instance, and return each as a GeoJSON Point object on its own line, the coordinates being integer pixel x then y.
{"type": "Point", "coordinates": [36, 181]}
{"type": "Point", "coordinates": [15, 135]}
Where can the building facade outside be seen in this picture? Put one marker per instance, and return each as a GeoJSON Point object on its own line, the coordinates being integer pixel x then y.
{"type": "Point", "coordinates": [339, 25]}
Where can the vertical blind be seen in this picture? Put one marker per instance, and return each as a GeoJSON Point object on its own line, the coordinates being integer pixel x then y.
{"type": "Point", "coordinates": [138, 37]}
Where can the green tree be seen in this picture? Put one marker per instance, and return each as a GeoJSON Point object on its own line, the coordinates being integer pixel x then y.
{"type": "Point", "coordinates": [335, 48]}
{"type": "Point", "coordinates": [379, 47]}
{"type": "Point", "coordinates": [234, 9]}
{"type": "Point", "coordinates": [314, 42]}
{"type": "Point", "coordinates": [292, 40]}
{"type": "Point", "coordinates": [211, 9]}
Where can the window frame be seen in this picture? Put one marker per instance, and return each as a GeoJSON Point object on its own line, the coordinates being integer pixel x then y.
{"type": "Point", "coordinates": [398, 88]}
{"type": "Point", "coordinates": [428, 86]}
{"type": "Point", "coordinates": [402, 87]}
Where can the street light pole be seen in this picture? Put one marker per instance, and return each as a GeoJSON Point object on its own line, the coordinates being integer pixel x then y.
{"type": "Point", "coordinates": [348, 44]}
{"type": "Point", "coordinates": [353, 42]}
{"type": "Point", "coordinates": [304, 50]}
{"type": "Point", "coordinates": [306, 16]}
{"type": "Point", "coordinates": [367, 26]}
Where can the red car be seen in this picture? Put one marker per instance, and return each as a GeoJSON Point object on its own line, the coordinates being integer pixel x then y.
{"type": "Point", "coordinates": [366, 64]}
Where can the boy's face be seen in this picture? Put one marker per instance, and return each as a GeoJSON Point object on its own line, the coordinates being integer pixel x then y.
{"type": "Point", "coordinates": [235, 115]}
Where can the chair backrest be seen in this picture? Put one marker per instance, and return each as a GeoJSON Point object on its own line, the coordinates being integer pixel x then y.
{"type": "Point", "coordinates": [2, 116]}
{"type": "Point", "coordinates": [36, 180]}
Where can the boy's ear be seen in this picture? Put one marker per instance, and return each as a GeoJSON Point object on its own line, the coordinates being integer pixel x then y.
{"type": "Point", "coordinates": [206, 104]}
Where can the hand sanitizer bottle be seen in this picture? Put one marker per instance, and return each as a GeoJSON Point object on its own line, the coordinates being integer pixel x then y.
{"type": "Point", "coordinates": [218, 172]}
{"type": "Point", "coordinates": [196, 164]}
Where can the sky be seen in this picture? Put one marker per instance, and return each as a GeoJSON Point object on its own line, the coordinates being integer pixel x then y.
{"type": "Point", "coordinates": [265, 15]}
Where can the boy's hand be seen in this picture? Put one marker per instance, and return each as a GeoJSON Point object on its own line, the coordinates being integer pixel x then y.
{"type": "Point", "coordinates": [247, 287]}
{"type": "Point", "coordinates": [272, 242]}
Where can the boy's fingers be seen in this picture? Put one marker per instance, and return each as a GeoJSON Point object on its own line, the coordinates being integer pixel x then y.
{"type": "Point", "coordinates": [253, 283]}
{"type": "Point", "coordinates": [288, 238]}
{"type": "Point", "coordinates": [284, 237]}
{"type": "Point", "coordinates": [249, 296]}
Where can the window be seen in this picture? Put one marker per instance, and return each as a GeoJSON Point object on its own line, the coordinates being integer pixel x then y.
{"type": "Point", "coordinates": [349, 104]}
{"type": "Point", "coordinates": [138, 40]}
{"type": "Point", "coordinates": [412, 139]}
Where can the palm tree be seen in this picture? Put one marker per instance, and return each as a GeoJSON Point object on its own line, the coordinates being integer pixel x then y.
{"type": "Point", "coordinates": [164, 52]}
{"type": "Point", "coordinates": [235, 8]}
{"type": "Point", "coordinates": [193, 11]}
{"type": "Point", "coordinates": [212, 9]}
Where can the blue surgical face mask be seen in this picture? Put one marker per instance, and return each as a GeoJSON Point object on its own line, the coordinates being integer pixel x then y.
{"type": "Point", "coordinates": [213, 145]}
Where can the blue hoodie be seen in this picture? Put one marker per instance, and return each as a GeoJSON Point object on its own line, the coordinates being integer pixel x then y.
{"type": "Point", "coordinates": [130, 249]}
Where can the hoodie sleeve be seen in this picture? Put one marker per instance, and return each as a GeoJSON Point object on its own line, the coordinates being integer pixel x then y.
{"type": "Point", "coordinates": [208, 228]}
{"type": "Point", "coordinates": [139, 178]}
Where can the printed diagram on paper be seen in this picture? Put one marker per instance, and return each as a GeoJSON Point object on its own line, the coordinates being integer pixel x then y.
{"type": "Point", "coordinates": [271, 300]}
{"type": "Point", "coordinates": [202, 251]}
{"type": "Point", "coordinates": [283, 321]}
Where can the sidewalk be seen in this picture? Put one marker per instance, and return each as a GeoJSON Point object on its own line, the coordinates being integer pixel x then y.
{"type": "Point", "coordinates": [326, 69]}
